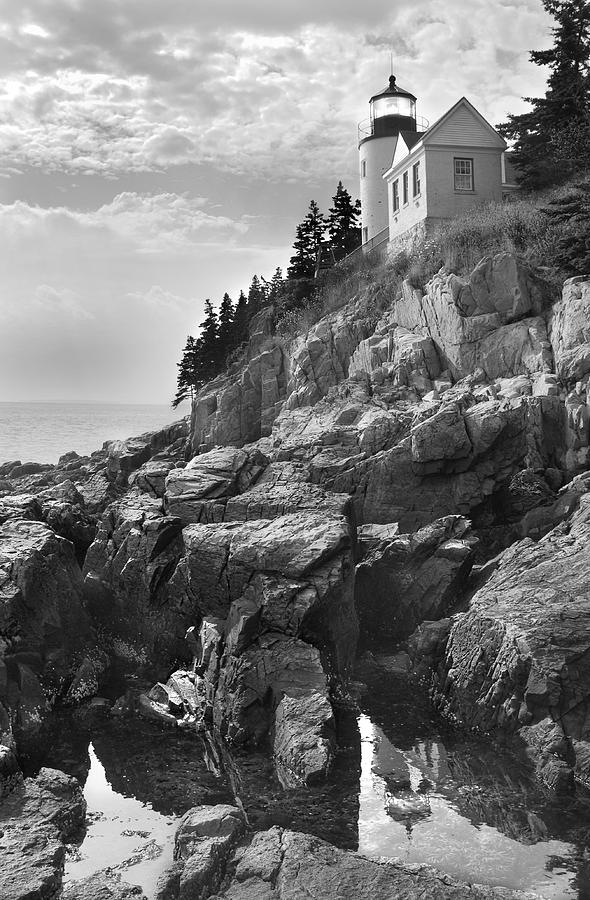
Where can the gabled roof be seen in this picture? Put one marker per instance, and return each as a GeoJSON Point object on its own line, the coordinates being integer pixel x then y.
{"type": "Point", "coordinates": [405, 141]}
{"type": "Point", "coordinates": [438, 125]}
{"type": "Point", "coordinates": [411, 137]}
{"type": "Point", "coordinates": [448, 121]}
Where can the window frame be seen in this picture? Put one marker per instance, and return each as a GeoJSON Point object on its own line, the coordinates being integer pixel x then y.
{"type": "Point", "coordinates": [395, 195]}
{"type": "Point", "coordinates": [365, 234]}
{"type": "Point", "coordinates": [470, 174]}
{"type": "Point", "coordinates": [363, 168]}
{"type": "Point", "coordinates": [406, 187]}
{"type": "Point", "coordinates": [416, 186]}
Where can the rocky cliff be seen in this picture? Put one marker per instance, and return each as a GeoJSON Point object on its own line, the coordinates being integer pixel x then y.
{"type": "Point", "coordinates": [410, 469]}
{"type": "Point", "coordinates": [407, 408]}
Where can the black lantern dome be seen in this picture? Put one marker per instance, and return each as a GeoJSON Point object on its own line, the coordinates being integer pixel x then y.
{"type": "Point", "coordinates": [392, 110]}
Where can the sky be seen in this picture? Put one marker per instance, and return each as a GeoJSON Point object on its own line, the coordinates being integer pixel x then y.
{"type": "Point", "coordinates": [154, 153]}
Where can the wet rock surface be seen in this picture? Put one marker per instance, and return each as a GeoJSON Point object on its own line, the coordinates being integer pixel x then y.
{"type": "Point", "coordinates": [281, 863]}
{"type": "Point", "coordinates": [519, 655]}
{"type": "Point", "coordinates": [36, 819]}
{"type": "Point", "coordinates": [43, 623]}
{"type": "Point", "coordinates": [101, 886]}
{"type": "Point", "coordinates": [408, 579]}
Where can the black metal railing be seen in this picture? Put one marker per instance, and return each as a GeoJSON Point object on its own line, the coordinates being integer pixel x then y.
{"type": "Point", "coordinates": [366, 128]}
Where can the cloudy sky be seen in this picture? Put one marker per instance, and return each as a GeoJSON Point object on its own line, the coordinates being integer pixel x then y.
{"type": "Point", "coordinates": [157, 152]}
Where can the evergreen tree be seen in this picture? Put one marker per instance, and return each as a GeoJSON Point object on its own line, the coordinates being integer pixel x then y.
{"type": "Point", "coordinates": [345, 232]}
{"type": "Point", "coordinates": [301, 263]}
{"type": "Point", "coordinates": [307, 240]}
{"type": "Point", "coordinates": [571, 213]}
{"type": "Point", "coordinates": [542, 152]}
{"type": "Point", "coordinates": [226, 325]}
{"type": "Point", "coordinates": [186, 378]}
{"type": "Point", "coordinates": [240, 323]}
{"type": "Point", "coordinates": [209, 355]}
{"type": "Point", "coordinates": [274, 287]}
{"type": "Point", "coordinates": [256, 297]}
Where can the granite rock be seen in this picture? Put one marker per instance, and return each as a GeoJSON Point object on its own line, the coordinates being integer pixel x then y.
{"type": "Point", "coordinates": [36, 819]}
{"type": "Point", "coordinates": [280, 864]}
{"type": "Point", "coordinates": [570, 330]}
{"type": "Point", "coordinates": [409, 578]}
{"type": "Point", "coordinates": [520, 655]}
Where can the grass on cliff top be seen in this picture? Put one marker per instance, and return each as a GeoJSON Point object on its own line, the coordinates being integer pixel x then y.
{"type": "Point", "coordinates": [524, 225]}
{"type": "Point", "coordinates": [336, 287]}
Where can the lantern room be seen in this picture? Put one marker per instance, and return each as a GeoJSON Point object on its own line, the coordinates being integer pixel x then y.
{"type": "Point", "coordinates": [392, 110]}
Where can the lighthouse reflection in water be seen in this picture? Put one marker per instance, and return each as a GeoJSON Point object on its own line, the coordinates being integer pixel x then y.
{"type": "Point", "coordinates": [411, 811]}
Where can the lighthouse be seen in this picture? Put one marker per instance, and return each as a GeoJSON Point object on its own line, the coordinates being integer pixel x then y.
{"type": "Point", "coordinates": [392, 111]}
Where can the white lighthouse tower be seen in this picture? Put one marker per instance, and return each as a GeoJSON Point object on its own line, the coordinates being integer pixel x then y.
{"type": "Point", "coordinates": [392, 111]}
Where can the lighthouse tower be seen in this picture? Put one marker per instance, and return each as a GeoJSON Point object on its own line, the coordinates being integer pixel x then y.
{"type": "Point", "coordinates": [392, 111]}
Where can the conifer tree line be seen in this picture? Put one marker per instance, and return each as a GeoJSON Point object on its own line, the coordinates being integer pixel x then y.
{"type": "Point", "coordinates": [225, 330]}
{"type": "Point", "coordinates": [551, 141]}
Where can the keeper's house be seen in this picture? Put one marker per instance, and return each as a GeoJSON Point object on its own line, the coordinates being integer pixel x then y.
{"type": "Point", "coordinates": [413, 176]}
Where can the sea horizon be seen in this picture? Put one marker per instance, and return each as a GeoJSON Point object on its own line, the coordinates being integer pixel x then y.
{"type": "Point", "coordinates": [42, 431]}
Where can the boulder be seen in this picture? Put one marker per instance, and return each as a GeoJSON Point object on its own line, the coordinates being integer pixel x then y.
{"type": "Point", "coordinates": [275, 598]}
{"type": "Point", "coordinates": [520, 655]}
{"type": "Point", "coordinates": [126, 573]}
{"type": "Point", "coordinates": [126, 456]}
{"type": "Point", "coordinates": [36, 819]}
{"type": "Point", "coordinates": [151, 476]}
{"type": "Point", "coordinates": [409, 578]}
{"type": "Point", "coordinates": [304, 737]}
{"type": "Point", "coordinates": [570, 330]}
{"type": "Point", "coordinates": [101, 886]}
{"type": "Point", "coordinates": [297, 569]}
{"type": "Point", "coordinates": [43, 620]}
{"type": "Point", "coordinates": [213, 476]}
{"type": "Point", "coordinates": [204, 840]}
{"type": "Point", "coordinates": [237, 409]}
{"type": "Point", "coordinates": [280, 864]}
{"type": "Point", "coordinates": [472, 322]}
{"type": "Point", "coordinates": [20, 506]}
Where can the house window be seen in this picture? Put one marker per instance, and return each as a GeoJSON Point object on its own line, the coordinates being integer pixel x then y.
{"type": "Point", "coordinates": [405, 187]}
{"type": "Point", "coordinates": [463, 174]}
{"type": "Point", "coordinates": [364, 168]}
{"type": "Point", "coordinates": [395, 195]}
{"type": "Point", "coordinates": [365, 234]}
{"type": "Point", "coordinates": [416, 179]}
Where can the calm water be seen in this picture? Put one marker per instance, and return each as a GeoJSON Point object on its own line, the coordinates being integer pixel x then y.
{"type": "Point", "coordinates": [404, 786]}
{"type": "Point", "coordinates": [42, 432]}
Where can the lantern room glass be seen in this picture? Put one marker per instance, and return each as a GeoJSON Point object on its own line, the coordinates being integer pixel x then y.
{"type": "Point", "coordinates": [392, 105]}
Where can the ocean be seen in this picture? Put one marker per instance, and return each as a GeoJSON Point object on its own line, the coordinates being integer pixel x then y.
{"type": "Point", "coordinates": [42, 432]}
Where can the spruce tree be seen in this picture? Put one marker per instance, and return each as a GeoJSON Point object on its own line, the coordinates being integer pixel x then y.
{"type": "Point", "coordinates": [542, 151]}
{"type": "Point", "coordinates": [186, 378]}
{"type": "Point", "coordinates": [255, 297]}
{"type": "Point", "coordinates": [209, 352]}
{"type": "Point", "coordinates": [343, 218]}
{"type": "Point", "coordinates": [226, 325]}
{"type": "Point", "coordinates": [274, 287]}
{"type": "Point", "coordinates": [570, 211]}
{"type": "Point", "coordinates": [240, 323]}
{"type": "Point", "coordinates": [308, 235]}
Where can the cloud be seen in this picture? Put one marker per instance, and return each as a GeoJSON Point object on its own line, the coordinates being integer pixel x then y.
{"type": "Point", "coordinates": [160, 300]}
{"type": "Point", "coordinates": [136, 223]}
{"type": "Point", "coordinates": [266, 90]}
{"type": "Point", "coordinates": [58, 303]}
{"type": "Point", "coordinates": [169, 145]}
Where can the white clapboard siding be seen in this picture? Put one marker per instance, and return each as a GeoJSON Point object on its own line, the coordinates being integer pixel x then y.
{"type": "Point", "coordinates": [463, 128]}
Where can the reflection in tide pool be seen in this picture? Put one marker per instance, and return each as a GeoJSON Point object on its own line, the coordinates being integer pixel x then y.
{"type": "Point", "coordinates": [406, 812]}
{"type": "Point", "coordinates": [124, 834]}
